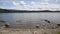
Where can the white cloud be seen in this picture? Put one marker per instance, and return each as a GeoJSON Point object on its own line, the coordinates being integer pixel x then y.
{"type": "Point", "coordinates": [22, 2]}
{"type": "Point", "coordinates": [36, 6]}
{"type": "Point", "coordinates": [16, 4]}
{"type": "Point", "coordinates": [33, 5]}
{"type": "Point", "coordinates": [32, 2]}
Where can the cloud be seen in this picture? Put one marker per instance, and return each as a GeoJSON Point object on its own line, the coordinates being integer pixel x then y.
{"type": "Point", "coordinates": [22, 2]}
{"type": "Point", "coordinates": [26, 6]}
{"type": "Point", "coordinates": [16, 4]}
{"type": "Point", "coordinates": [32, 2]}
{"type": "Point", "coordinates": [36, 6]}
{"type": "Point", "coordinates": [33, 5]}
{"type": "Point", "coordinates": [19, 5]}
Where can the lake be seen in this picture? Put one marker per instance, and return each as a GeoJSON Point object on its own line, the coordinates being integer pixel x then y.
{"type": "Point", "coordinates": [28, 18]}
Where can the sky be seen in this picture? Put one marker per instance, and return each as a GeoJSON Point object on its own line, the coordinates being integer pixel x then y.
{"type": "Point", "coordinates": [30, 4]}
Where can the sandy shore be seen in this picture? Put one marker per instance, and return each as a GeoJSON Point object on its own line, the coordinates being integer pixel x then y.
{"type": "Point", "coordinates": [29, 31]}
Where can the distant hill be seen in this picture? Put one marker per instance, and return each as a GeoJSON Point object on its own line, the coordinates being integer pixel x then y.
{"type": "Point", "coordinates": [18, 11]}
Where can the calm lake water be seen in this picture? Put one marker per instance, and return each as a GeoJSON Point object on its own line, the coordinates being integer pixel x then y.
{"type": "Point", "coordinates": [18, 18]}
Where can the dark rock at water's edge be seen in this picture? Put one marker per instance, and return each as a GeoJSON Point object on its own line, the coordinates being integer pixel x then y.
{"type": "Point", "coordinates": [47, 21]}
{"type": "Point", "coordinates": [58, 24]}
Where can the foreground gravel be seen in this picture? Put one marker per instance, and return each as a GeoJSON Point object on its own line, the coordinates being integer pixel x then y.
{"type": "Point", "coordinates": [28, 31]}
